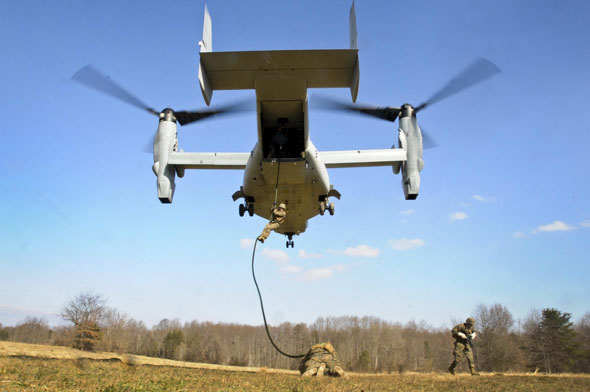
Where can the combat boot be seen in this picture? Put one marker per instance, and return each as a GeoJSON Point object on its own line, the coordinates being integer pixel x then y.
{"type": "Point", "coordinates": [452, 368]}
{"type": "Point", "coordinates": [473, 372]}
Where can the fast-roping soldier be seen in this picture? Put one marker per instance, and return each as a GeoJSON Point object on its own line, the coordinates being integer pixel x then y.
{"type": "Point", "coordinates": [464, 334]}
{"type": "Point", "coordinates": [278, 217]}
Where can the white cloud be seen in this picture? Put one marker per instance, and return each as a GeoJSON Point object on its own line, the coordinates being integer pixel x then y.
{"type": "Point", "coordinates": [291, 269]}
{"type": "Point", "coordinates": [585, 223]}
{"type": "Point", "coordinates": [555, 226]}
{"type": "Point", "coordinates": [405, 243]}
{"type": "Point", "coordinates": [483, 198]}
{"type": "Point", "coordinates": [459, 215]}
{"type": "Point", "coordinates": [324, 273]}
{"type": "Point", "coordinates": [314, 274]}
{"type": "Point", "coordinates": [306, 256]}
{"type": "Point", "coordinates": [519, 234]}
{"type": "Point", "coordinates": [341, 267]}
{"type": "Point", "coordinates": [411, 211]}
{"type": "Point", "coordinates": [246, 243]}
{"type": "Point", "coordinates": [362, 251]}
{"type": "Point", "coordinates": [318, 273]}
{"type": "Point", "coordinates": [275, 255]}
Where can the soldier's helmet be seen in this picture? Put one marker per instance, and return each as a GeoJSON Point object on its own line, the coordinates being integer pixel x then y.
{"type": "Point", "coordinates": [470, 321]}
{"type": "Point", "coordinates": [283, 206]}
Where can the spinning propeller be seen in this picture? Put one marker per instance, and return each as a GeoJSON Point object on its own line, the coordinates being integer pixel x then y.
{"type": "Point", "coordinates": [410, 137]}
{"type": "Point", "coordinates": [91, 77]}
{"type": "Point", "coordinates": [477, 72]}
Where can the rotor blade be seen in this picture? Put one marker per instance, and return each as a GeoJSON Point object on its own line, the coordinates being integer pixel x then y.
{"type": "Point", "coordinates": [387, 113]}
{"type": "Point", "coordinates": [477, 72]}
{"type": "Point", "coordinates": [91, 77]}
{"type": "Point", "coordinates": [149, 145]}
{"type": "Point", "coordinates": [427, 140]}
{"type": "Point", "coordinates": [185, 117]}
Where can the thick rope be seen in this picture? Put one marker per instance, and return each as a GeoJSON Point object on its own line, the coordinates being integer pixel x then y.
{"type": "Point", "coordinates": [254, 275]}
{"type": "Point", "coordinates": [264, 315]}
{"type": "Point", "coordinates": [277, 183]}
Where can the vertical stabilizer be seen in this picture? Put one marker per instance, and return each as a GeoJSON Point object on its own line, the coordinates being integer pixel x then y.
{"type": "Point", "coordinates": [352, 27]}
{"type": "Point", "coordinates": [206, 43]}
{"type": "Point", "coordinates": [354, 83]}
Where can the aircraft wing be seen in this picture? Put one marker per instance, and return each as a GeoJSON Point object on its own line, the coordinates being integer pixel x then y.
{"type": "Point", "coordinates": [210, 160]}
{"type": "Point", "coordinates": [362, 158]}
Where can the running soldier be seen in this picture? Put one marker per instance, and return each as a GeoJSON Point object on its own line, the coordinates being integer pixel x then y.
{"type": "Point", "coordinates": [464, 335]}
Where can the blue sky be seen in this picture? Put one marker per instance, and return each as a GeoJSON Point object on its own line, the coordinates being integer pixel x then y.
{"type": "Point", "coordinates": [503, 215]}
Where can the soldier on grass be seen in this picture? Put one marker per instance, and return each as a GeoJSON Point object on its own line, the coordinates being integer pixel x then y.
{"type": "Point", "coordinates": [464, 335]}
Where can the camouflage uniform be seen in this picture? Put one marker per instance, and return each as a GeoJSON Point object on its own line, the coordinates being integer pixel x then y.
{"type": "Point", "coordinates": [278, 216]}
{"type": "Point", "coordinates": [321, 360]}
{"type": "Point", "coordinates": [463, 345]}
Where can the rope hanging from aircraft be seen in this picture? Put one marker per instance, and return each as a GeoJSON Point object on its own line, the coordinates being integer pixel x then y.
{"type": "Point", "coordinates": [264, 315]}
{"type": "Point", "coordinates": [278, 171]}
{"type": "Point", "coordinates": [254, 274]}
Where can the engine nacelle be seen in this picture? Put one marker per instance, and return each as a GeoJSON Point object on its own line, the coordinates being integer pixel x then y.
{"type": "Point", "coordinates": [410, 139]}
{"type": "Point", "coordinates": [165, 142]}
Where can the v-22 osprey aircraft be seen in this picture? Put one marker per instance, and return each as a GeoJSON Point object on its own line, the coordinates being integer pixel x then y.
{"type": "Point", "coordinates": [284, 164]}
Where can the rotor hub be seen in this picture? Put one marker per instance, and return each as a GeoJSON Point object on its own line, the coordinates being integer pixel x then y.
{"type": "Point", "coordinates": [407, 110]}
{"type": "Point", "coordinates": [167, 115]}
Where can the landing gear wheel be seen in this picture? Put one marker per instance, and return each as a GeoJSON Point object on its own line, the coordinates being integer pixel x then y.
{"type": "Point", "coordinates": [322, 208]}
{"type": "Point", "coordinates": [251, 209]}
{"type": "Point", "coordinates": [331, 208]}
{"type": "Point", "coordinates": [290, 243]}
{"type": "Point", "coordinates": [241, 209]}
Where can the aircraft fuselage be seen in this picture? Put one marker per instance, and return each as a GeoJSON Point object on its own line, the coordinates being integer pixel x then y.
{"type": "Point", "coordinates": [284, 155]}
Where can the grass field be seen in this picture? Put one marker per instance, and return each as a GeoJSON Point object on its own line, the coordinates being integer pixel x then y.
{"type": "Point", "coordinates": [110, 372]}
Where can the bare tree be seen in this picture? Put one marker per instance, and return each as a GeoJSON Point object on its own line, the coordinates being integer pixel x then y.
{"type": "Point", "coordinates": [86, 312]}
{"type": "Point", "coordinates": [3, 333]}
{"type": "Point", "coordinates": [32, 330]}
{"type": "Point", "coordinates": [85, 307]}
{"type": "Point", "coordinates": [497, 347]}
{"type": "Point", "coordinates": [119, 332]}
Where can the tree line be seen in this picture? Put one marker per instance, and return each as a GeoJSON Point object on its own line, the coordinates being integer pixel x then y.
{"type": "Point", "coordinates": [545, 341]}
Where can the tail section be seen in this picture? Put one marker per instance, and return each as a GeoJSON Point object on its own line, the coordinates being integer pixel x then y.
{"type": "Point", "coordinates": [206, 43]}
{"type": "Point", "coordinates": [352, 27]}
{"type": "Point", "coordinates": [239, 70]}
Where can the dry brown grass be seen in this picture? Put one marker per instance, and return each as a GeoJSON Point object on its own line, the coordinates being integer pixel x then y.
{"type": "Point", "coordinates": [13, 349]}
{"type": "Point", "coordinates": [26, 367]}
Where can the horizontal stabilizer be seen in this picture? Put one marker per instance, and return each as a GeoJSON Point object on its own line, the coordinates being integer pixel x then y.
{"type": "Point", "coordinates": [362, 158]}
{"type": "Point", "coordinates": [239, 70]}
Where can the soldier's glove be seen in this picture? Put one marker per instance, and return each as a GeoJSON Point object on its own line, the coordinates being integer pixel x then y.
{"type": "Point", "coordinates": [472, 336]}
{"type": "Point", "coordinates": [462, 335]}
